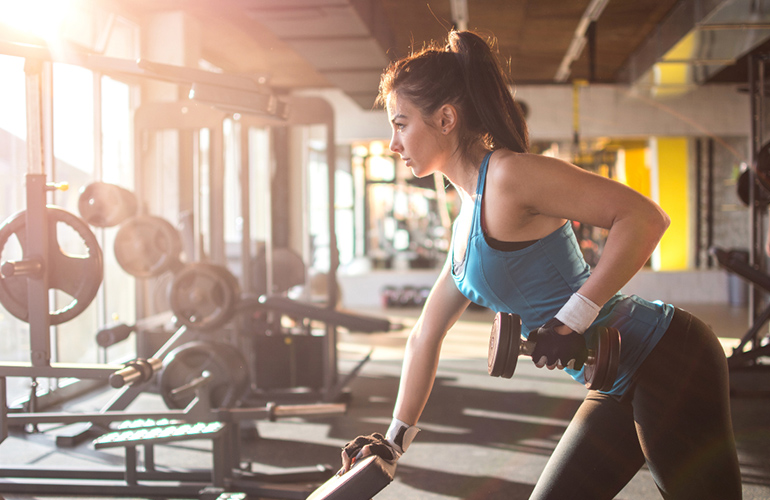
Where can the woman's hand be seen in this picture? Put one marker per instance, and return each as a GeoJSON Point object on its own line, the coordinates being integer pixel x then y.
{"type": "Point", "coordinates": [558, 346]}
{"type": "Point", "coordinates": [364, 446]}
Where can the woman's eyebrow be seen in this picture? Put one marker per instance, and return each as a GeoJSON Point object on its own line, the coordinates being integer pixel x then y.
{"type": "Point", "coordinates": [397, 117]}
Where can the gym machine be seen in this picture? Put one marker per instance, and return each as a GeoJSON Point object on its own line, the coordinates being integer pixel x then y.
{"type": "Point", "coordinates": [286, 364]}
{"type": "Point", "coordinates": [754, 191]}
{"type": "Point", "coordinates": [24, 290]}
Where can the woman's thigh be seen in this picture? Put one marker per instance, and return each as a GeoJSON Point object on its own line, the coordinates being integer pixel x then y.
{"type": "Point", "coordinates": [682, 412]}
{"type": "Point", "coordinates": [597, 455]}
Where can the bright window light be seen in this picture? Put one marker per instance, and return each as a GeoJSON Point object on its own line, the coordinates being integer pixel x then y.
{"type": "Point", "coordinates": [43, 18]}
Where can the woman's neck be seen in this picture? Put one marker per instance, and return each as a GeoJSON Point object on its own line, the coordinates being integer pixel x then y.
{"type": "Point", "coordinates": [464, 172]}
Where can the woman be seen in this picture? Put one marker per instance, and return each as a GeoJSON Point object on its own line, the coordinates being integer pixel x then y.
{"type": "Point", "coordinates": [513, 250]}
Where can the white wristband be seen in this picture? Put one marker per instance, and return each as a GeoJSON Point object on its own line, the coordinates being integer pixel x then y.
{"type": "Point", "coordinates": [401, 435]}
{"type": "Point", "coordinates": [578, 313]}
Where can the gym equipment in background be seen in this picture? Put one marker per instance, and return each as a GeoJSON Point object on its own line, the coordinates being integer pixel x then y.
{"type": "Point", "coordinates": [147, 246]}
{"type": "Point", "coordinates": [78, 275]}
{"type": "Point", "coordinates": [736, 262]}
{"type": "Point", "coordinates": [106, 205]}
{"type": "Point", "coordinates": [204, 295]}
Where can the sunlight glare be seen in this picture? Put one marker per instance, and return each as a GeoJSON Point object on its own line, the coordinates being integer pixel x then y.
{"type": "Point", "coordinates": [43, 18]}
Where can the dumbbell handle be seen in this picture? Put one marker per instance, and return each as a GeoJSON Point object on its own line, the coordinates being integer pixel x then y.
{"type": "Point", "coordinates": [527, 347]}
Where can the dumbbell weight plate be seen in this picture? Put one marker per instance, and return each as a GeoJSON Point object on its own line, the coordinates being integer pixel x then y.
{"type": "Point", "coordinates": [147, 246]}
{"type": "Point", "coordinates": [204, 295]}
{"type": "Point", "coordinates": [504, 344]}
{"type": "Point", "coordinates": [223, 363]}
{"type": "Point", "coordinates": [601, 374]}
{"type": "Point", "coordinates": [106, 205]}
{"type": "Point", "coordinates": [77, 274]}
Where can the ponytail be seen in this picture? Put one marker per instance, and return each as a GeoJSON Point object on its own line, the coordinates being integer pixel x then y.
{"type": "Point", "coordinates": [466, 74]}
{"type": "Point", "coordinates": [488, 88]}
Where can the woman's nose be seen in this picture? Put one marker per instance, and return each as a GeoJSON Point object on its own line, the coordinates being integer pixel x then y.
{"type": "Point", "coordinates": [395, 146]}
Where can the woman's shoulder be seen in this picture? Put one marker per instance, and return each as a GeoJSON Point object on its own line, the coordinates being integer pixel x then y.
{"type": "Point", "coordinates": [507, 167]}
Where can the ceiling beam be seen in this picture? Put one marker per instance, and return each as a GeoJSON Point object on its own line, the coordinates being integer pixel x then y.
{"type": "Point", "coordinates": [591, 14]}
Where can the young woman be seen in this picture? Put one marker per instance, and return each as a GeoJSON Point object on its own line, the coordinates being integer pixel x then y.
{"type": "Point", "coordinates": [513, 250]}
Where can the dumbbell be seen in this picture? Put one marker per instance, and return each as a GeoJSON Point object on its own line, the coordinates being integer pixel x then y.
{"type": "Point", "coordinates": [506, 345]}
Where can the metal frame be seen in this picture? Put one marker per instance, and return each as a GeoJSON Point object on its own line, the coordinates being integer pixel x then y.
{"type": "Point", "coordinates": [305, 111]}
{"type": "Point", "coordinates": [757, 210]}
{"type": "Point", "coordinates": [226, 451]}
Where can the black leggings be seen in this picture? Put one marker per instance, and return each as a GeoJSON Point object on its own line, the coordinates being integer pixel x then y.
{"type": "Point", "coordinates": [675, 417]}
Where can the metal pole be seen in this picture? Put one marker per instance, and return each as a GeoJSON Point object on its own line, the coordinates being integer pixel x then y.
{"type": "Point", "coordinates": [710, 199]}
{"type": "Point", "coordinates": [332, 285]}
{"type": "Point", "coordinates": [36, 245]}
{"type": "Point", "coordinates": [698, 202]}
{"type": "Point", "coordinates": [757, 91]}
{"type": "Point", "coordinates": [247, 273]}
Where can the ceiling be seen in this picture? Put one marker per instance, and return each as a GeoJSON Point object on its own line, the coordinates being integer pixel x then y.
{"type": "Point", "coordinates": [346, 44]}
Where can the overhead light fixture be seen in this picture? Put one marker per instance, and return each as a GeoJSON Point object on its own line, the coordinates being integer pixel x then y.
{"type": "Point", "coordinates": [578, 43]}
{"type": "Point", "coordinates": [459, 9]}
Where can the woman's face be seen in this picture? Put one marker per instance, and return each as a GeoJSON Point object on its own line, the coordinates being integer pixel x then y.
{"type": "Point", "coordinates": [419, 142]}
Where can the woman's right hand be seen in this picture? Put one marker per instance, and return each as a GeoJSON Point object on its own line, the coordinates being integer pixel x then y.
{"type": "Point", "coordinates": [364, 446]}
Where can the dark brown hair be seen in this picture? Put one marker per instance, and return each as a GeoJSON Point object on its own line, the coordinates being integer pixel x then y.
{"type": "Point", "coordinates": [468, 75]}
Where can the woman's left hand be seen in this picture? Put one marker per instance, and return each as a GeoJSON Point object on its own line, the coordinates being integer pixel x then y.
{"type": "Point", "coordinates": [558, 346]}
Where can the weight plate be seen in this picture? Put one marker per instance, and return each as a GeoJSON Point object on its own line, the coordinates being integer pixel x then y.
{"type": "Point", "coordinates": [744, 185]}
{"type": "Point", "coordinates": [504, 344]}
{"type": "Point", "coordinates": [497, 354]}
{"type": "Point", "coordinates": [595, 372]}
{"type": "Point", "coordinates": [203, 295]}
{"type": "Point", "coordinates": [147, 246]}
{"type": "Point", "coordinates": [222, 364]}
{"type": "Point", "coordinates": [614, 358]}
{"type": "Point", "coordinates": [106, 205]}
{"type": "Point", "coordinates": [512, 324]}
{"type": "Point", "coordinates": [78, 275]}
{"type": "Point", "coordinates": [600, 375]}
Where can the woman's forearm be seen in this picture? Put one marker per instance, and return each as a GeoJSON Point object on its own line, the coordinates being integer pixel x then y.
{"type": "Point", "coordinates": [629, 244]}
{"type": "Point", "coordinates": [417, 375]}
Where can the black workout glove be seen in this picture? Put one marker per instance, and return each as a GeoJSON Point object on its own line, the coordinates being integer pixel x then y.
{"type": "Point", "coordinates": [558, 350]}
{"type": "Point", "coordinates": [378, 445]}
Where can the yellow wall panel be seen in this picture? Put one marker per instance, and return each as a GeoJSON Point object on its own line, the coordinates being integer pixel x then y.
{"type": "Point", "coordinates": [637, 171]}
{"type": "Point", "coordinates": [672, 175]}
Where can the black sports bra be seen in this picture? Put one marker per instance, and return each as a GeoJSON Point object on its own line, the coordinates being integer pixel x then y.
{"type": "Point", "coordinates": [507, 246]}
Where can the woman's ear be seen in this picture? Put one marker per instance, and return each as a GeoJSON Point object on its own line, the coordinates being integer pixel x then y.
{"type": "Point", "coordinates": [447, 118]}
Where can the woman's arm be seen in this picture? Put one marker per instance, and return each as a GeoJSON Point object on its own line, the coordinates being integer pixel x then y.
{"type": "Point", "coordinates": [545, 191]}
{"type": "Point", "coordinates": [444, 306]}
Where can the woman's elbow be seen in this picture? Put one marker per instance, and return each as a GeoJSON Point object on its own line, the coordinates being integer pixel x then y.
{"type": "Point", "coordinates": [662, 221]}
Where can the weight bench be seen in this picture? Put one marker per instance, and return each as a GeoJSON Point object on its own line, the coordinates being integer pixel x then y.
{"type": "Point", "coordinates": [735, 263]}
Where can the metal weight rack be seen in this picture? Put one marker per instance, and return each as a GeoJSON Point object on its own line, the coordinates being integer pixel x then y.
{"type": "Point", "coordinates": [139, 429]}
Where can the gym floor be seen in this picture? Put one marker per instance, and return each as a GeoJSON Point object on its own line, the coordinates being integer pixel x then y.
{"type": "Point", "coordinates": [482, 438]}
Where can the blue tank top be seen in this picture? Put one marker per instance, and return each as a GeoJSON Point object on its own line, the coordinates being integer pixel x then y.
{"type": "Point", "coordinates": [536, 281]}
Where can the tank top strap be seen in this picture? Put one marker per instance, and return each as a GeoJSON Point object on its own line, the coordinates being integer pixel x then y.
{"type": "Point", "coordinates": [482, 175]}
{"type": "Point", "coordinates": [476, 225]}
